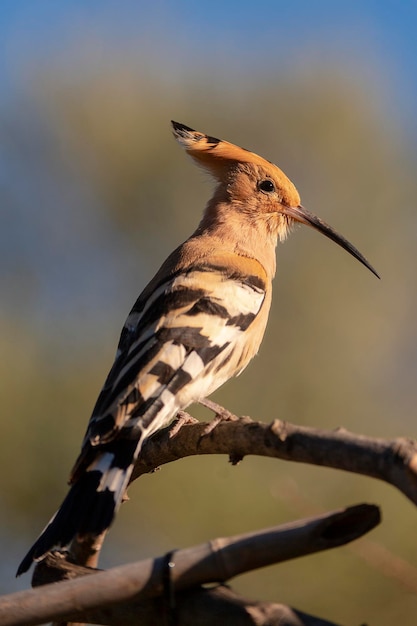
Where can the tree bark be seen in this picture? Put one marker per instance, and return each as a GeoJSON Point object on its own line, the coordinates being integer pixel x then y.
{"type": "Point", "coordinates": [126, 595]}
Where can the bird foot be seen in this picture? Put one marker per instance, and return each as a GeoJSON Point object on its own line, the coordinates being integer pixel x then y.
{"type": "Point", "coordinates": [222, 415]}
{"type": "Point", "coordinates": [182, 419]}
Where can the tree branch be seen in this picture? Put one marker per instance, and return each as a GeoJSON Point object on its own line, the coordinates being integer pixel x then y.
{"type": "Point", "coordinates": [203, 607]}
{"type": "Point", "coordinates": [112, 596]}
{"type": "Point", "coordinates": [393, 461]}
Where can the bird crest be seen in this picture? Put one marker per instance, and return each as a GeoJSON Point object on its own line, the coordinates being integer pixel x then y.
{"type": "Point", "coordinates": [217, 155]}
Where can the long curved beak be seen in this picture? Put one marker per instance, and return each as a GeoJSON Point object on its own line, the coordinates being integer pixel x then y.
{"type": "Point", "coordinates": [302, 215]}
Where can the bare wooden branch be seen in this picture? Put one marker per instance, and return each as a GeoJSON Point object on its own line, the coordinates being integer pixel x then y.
{"type": "Point", "coordinates": [85, 590]}
{"type": "Point", "coordinates": [203, 607]}
{"type": "Point", "coordinates": [393, 461]}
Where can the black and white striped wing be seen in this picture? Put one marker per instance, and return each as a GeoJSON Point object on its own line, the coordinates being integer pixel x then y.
{"type": "Point", "coordinates": [176, 347]}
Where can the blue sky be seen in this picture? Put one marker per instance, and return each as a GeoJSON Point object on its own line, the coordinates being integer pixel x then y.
{"type": "Point", "coordinates": [248, 37]}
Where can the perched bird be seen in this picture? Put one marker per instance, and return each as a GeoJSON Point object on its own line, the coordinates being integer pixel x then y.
{"type": "Point", "coordinates": [199, 322]}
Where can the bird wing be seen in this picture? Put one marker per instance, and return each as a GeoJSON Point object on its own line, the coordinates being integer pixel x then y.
{"type": "Point", "coordinates": [172, 350]}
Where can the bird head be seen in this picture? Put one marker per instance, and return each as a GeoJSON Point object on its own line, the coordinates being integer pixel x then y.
{"type": "Point", "coordinates": [257, 188]}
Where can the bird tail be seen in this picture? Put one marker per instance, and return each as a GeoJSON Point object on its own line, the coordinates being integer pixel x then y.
{"type": "Point", "coordinates": [91, 503]}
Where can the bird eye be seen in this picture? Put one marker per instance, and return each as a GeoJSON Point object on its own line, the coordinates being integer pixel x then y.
{"type": "Point", "coordinates": [266, 185]}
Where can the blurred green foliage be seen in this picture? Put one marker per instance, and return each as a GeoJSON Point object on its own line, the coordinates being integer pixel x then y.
{"type": "Point", "coordinates": [340, 349]}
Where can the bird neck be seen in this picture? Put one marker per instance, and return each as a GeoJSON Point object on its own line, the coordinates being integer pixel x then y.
{"type": "Point", "coordinates": [229, 228]}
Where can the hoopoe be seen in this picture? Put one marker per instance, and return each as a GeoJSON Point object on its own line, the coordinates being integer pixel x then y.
{"type": "Point", "coordinates": [199, 322]}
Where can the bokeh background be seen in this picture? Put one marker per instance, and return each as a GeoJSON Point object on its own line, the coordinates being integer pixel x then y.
{"type": "Point", "coordinates": [94, 193]}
